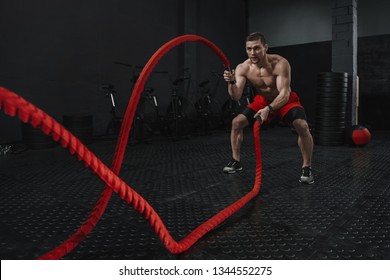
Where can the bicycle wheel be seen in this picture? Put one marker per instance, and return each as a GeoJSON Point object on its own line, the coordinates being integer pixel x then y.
{"type": "Point", "coordinates": [182, 122]}
{"type": "Point", "coordinates": [209, 113]}
{"type": "Point", "coordinates": [145, 120]}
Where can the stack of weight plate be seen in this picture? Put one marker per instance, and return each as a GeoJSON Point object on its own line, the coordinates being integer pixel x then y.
{"type": "Point", "coordinates": [331, 104]}
{"type": "Point", "coordinates": [81, 126]}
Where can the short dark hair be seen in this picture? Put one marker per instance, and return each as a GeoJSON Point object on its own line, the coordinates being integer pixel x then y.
{"type": "Point", "coordinates": [256, 36]}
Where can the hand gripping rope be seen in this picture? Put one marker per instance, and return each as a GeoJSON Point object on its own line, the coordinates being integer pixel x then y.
{"type": "Point", "coordinates": [15, 105]}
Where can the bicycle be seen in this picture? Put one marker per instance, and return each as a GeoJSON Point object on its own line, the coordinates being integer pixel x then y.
{"type": "Point", "coordinates": [146, 119]}
{"type": "Point", "coordinates": [115, 122]}
{"type": "Point", "coordinates": [181, 114]}
{"type": "Point", "coordinates": [208, 109]}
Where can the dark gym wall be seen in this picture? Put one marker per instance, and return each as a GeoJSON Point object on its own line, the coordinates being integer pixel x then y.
{"type": "Point", "coordinates": [302, 32]}
{"type": "Point", "coordinates": [57, 54]}
{"type": "Point", "coordinates": [226, 23]}
{"type": "Point", "coordinates": [291, 22]}
{"type": "Point", "coordinates": [374, 75]}
{"type": "Point", "coordinates": [305, 21]}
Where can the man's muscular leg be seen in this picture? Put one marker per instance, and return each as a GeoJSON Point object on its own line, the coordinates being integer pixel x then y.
{"type": "Point", "coordinates": [236, 138]}
{"type": "Point", "coordinates": [305, 143]}
{"type": "Point", "coordinates": [237, 135]}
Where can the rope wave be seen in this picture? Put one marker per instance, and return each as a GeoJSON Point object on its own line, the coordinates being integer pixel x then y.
{"type": "Point", "coordinates": [15, 106]}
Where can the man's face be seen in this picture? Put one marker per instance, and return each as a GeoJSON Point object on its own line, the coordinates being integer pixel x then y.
{"type": "Point", "coordinates": [256, 51]}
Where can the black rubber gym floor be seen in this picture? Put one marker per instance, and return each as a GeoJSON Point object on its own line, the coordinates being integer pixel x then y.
{"type": "Point", "coordinates": [47, 194]}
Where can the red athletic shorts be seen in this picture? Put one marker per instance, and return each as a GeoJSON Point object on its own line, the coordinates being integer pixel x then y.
{"type": "Point", "coordinates": [260, 102]}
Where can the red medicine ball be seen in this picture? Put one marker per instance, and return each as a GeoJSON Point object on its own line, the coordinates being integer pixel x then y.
{"type": "Point", "coordinates": [360, 135]}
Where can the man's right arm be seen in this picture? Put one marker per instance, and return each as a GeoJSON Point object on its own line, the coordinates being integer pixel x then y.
{"type": "Point", "coordinates": [237, 76]}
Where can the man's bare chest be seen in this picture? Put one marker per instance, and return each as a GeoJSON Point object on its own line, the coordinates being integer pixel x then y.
{"type": "Point", "coordinates": [262, 80]}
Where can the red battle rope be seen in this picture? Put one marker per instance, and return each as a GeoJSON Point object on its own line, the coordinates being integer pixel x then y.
{"type": "Point", "coordinates": [15, 105]}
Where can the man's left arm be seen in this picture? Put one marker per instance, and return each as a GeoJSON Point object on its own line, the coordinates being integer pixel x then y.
{"type": "Point", "coordinates": [283, 80]}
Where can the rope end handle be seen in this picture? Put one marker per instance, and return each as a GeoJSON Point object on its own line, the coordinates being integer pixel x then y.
{"type": "Point", "coordinates": [227, 68]}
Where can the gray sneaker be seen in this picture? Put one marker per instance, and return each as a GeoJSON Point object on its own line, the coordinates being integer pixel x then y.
{"type": "Point", "coordinates": [307, 176]}
{"type": "Point", "coordinates": [232, 167]}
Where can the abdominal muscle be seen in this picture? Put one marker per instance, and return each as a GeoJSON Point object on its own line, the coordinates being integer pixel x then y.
{"type": "Point", "coordinates": [269, 93]}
